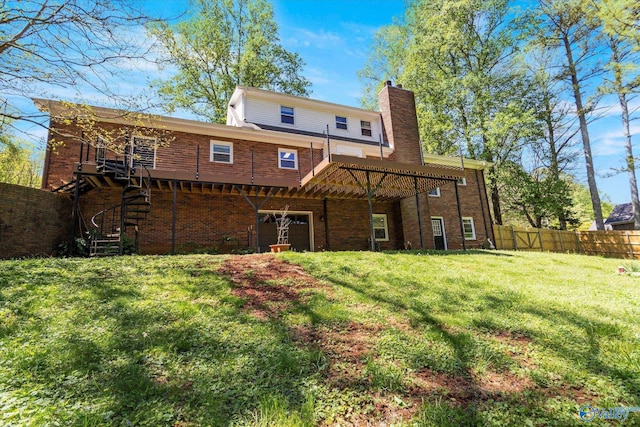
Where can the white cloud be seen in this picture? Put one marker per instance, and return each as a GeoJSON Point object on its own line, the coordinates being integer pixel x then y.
{"type": "Point", "coordinates": [319, 39]}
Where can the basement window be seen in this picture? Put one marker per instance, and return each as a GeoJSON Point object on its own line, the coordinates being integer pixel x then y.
{"type": "Point", "coordinates": [287, 159]}
{"type": "Point", "coordinates": [469, 228]}
{"type": "Point", "coordinates": [462, 181]}
{"type": "Point", "coordinates": [286, 115]}
{"type": "Point", "coordinates": [380, 227]}
{"type": "Point", "coordinates": [435, 192]}
{"type": "Point", "coordinates": [221, 152]}
{"type": "Point", "coordinates": [365, 127]}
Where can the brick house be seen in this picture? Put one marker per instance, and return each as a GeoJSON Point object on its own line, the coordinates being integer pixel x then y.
{"type": "Point", "coordinates": [352, 179]}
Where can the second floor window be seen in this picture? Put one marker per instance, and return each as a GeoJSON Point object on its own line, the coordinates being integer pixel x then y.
{"type": "Point", "coordinates": [286, 115]}
{"type": "Point", "coordinates": [366, 128]}
{"type": "Point", "coordinates": [221, 152]}
{"type": "Point", "coordinates": [287, 159]}
{"type": "Point", "coordinates": [341, 122]}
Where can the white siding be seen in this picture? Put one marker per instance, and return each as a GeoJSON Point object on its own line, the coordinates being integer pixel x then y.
{"type": "Point", "coordinates": [266, 112]}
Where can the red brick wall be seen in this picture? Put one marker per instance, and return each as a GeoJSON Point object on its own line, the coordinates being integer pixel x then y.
{"type": "Point", "coordinates": [32, 222]}
{"type": "Point", "coordinates": [412, 224]}
{"type": "Point", "coordinates": [225, 223]}
{"type": "Point", "coordinates": [445, 206]}
{"type": "Point", "coordinates": [181, 155]}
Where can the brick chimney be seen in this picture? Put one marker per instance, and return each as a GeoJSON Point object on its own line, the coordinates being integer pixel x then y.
{"type": "Point", "coordinates": [400, 123]}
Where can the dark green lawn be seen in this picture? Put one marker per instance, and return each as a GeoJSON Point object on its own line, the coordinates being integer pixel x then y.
{"type": "Point", "coordinates": [482, 338]}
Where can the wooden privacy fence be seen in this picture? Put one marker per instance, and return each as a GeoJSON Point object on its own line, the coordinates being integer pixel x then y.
{"type": "Point", "coordinates": [611, 243]}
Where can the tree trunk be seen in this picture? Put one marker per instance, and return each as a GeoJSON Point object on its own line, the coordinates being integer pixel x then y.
{"type": "Point", "coordinates": [495, 201]}
{"type": "Point", "coordinates": [584, 131]}
{"type": "Point", "coordinates": [631, 167]}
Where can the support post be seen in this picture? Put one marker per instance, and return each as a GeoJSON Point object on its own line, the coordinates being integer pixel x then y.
{"type": "Point", "coordinates": [515, 239]}
{"type": "Point", "coordinates": [256, 207]}
{"type": "Point", "coordinates": [415, 186]}
{"type": "Point", "coordinates": [561, 242]}
{"type": "Point", "coordinates": [174, 217]}
{"type": "Point", "coordinates": [74, 213]}
{"type": "Point", "coordinates": [371, 229]}
{"type": "Point", "coordinates": [326, 224]}
{"type": "Point", "coordinates": [633, 256]}
{"type": "Point", "coordinates": [464, 242]}
{"type": "Point", "coordinates": [313, 164]}
{"type": "Point", "coordinates": [328, 144]}
{"type": "Point", "coordinates": [370, 193]}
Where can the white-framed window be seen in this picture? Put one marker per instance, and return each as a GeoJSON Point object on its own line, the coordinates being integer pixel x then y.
{"type": "Point", "coordinates": [287, 158]}
{"type": "Point", "coordinates": [286, 115]}
{"type": "Point", "coordinates": [469, 228]}
{"type": "Point", "coordinates": [365, 128]}
{"type": "Point", "coordinates": [434, 192]}
{"type": "Point", "coordinates": [221, 152]}
{"type": "Point", "coordinates": [380, 227]}
{"type": "Point", "coordinates": [144, 151]}
{"type": "Point", "coordinates": [341, 122]}
{"type": "Point", "coordinates": [462, 181]}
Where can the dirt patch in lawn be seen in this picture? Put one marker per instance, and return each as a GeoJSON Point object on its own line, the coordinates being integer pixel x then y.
{"type": "Point", "coordinates": [271, 286]}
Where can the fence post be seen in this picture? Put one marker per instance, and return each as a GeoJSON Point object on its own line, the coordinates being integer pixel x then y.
{"type": "Point", "coordinates": [540, 237]}
{"type": "Point", "coordinates": [579, 245]}
{"type": "Point", "coordinates": [633, 256]}
{"type": "Point", "coordinates": [561, 244]}
{"type": "Point", "coordinates": [501, 239]}
{"type": "Point", "coordinates": [515, 242]}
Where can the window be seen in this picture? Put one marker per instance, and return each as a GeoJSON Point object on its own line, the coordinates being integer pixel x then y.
{"type": "Point", "coordinates": [341, 122]}
{"type": "Point", "coordinates": [144, 151]}
{"type": "Point", "coordinates": [366, 128]}
{"type": "Point", "coordinates": [435, 192]}
{"type": "Point", "coordinates": [286, 115]}
{"type": "Point", "coordinates": [469, 229]}
{"type": "Point", "coordinates": [221, 152]}
{"type": "Point", "coordinates": [287, 159]}
{"type": "Point", "coordinates": [380, 228]}
{"type": "Point", "coordinates": [462, 181]}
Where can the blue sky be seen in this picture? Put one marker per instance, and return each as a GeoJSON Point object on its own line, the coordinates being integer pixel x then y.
{"type": "Point", "coordinates": [333, 38]}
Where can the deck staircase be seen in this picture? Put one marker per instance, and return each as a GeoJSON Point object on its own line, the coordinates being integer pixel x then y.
{"type": "Point", "coordinates": [111, 224]}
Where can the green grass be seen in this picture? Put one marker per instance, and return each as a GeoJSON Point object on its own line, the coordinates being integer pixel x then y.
{"type": "Point", "coordinates": [478, 338]}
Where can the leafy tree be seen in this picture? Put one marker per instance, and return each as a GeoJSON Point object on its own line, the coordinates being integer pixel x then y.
{"type": "Point", "coordinates": [73, 44]}
{"type": "Point", "coordinates": [385, 61]}
{"type": "Point", "coordinates": [623, 77]}
{"type": "Point", "coordinates": [538, 196]}
{"type": "Point", "coordinates": [20, 162]}
{"type": "Point", "coordinates": [224, 44]}
{"type": "Point", "coordinates": [564, 29]}
{"type": "Point", "coordinates": [553, 151]}
{"type": "Point", "coordinates": [469, 96]}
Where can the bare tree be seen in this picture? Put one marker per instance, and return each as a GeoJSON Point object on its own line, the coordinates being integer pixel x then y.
{"type": "Point", "coordinates": [78, 45]}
